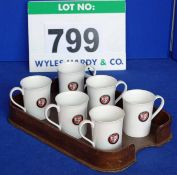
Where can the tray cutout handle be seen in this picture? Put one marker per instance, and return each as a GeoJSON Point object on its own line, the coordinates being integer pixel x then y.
{"type": "Point", "coordinates": [80, 131]}
{"type": "Point", "coordinates": [47, 116]}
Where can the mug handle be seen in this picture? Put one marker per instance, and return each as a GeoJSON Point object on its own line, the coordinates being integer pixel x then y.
{"type": "Point", "coordinates": [160, 107]}
{"type": "Point", "coordinates": [13, 101]}
{"type": "Point", "coordinates": [47, 117]}
{"type": "Point", "coordinates": [125, 89]}
{"type": "Point", "coordinates": [90, 68]}
{"type": "Point", "coordinates": [80, 131]}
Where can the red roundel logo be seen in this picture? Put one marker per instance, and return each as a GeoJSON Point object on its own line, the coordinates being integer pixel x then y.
{"type": "Point", "coordinates": [72, 86]}
{"type": "Point", "coordinates": [113, 138]}
{"type": "Point", "coordinates": [77, 119]}
{"type": "Point", "coordinates": [41, 102]}
{"type": "Point", "coordinates": [104, 99]}
{"type": "Point", "coordinates": [143, 116]}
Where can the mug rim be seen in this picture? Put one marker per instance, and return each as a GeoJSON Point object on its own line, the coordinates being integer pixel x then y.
{"type": "Point", "coordinates": [104, 107]}
{"type": "Point", "coordinates": [138, 90]}
{"type": "Point", "coordinates": [81, 68]}
{"type": "Point", "coordinates": [69, 93]}
{"type": "Point", "coordinates": [23, 81]}
{"type": "Point", "coordinates": [94, 77]}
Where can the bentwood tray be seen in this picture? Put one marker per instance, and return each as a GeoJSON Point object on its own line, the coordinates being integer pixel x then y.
{"type": "Point", "coordinates": [106, 161]}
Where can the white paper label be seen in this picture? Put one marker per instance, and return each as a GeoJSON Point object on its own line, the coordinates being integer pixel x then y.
{"type": "Point", "coordinates": [96, 39]}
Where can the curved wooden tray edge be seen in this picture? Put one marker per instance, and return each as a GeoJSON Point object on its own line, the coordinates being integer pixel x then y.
{"type": "Point", "coordinates": [126, 156]}
{"type": "Point", "coordinates": [161, 128]}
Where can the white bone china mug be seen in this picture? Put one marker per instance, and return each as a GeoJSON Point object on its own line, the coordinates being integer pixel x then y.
{"type": "Point", "coordinates": [72, 109]}
{"type": "Point", "coordinates": [71, 76]}
{"type": "Point", "coordinates": [101, 90]}
{"type": "Point", "coordinates": [138, 106]}
{"type": "Point", "coordinates": [36, 95]}
{"type": "Point", "coordinates": [106, 123]}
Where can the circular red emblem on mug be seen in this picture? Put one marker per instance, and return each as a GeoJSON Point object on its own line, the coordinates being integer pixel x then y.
{"type": "Point", "coordinates": [77, 119]}
{"type": "Point", "coordinates": [143, 116]}
{"type": "Point", "coordinates": [113, 138]}
{"type": "Point", "coordinates": [105, 99]}
{"type": "Point", "coordinates": [41, 102]}
{"type": "Point", "coordinates": [73, 86]}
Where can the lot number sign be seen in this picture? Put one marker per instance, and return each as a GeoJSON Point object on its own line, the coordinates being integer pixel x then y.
{"type": "Point", "coordinates": [90, 32]}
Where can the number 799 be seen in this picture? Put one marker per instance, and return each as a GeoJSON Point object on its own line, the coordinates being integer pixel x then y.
{"type": "Point", "coordinates": [75, 44]}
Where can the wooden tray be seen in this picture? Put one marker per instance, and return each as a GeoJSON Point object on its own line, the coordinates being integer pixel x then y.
{"type": "Point", "coordinates": [106, 161]}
